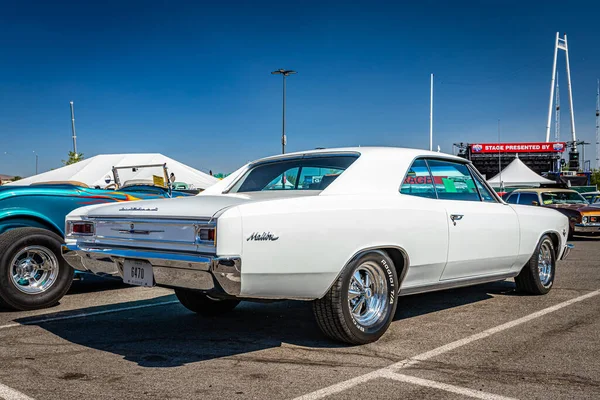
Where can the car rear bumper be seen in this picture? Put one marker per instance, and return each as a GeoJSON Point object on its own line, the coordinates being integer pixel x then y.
{"type": "Point", "coordinates": [177, 270]}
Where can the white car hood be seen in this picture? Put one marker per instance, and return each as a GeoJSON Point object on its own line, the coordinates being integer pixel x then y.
{"type": "Point", "coordinates": [187, 207]}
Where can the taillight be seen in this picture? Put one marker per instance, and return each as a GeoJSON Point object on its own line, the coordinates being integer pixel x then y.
{"type": "Point", "coordinates": [80, 228]}
{"type": "Point", "coordinates": [204, 235]}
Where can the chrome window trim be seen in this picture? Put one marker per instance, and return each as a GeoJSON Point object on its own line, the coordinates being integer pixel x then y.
{"type": "Point", "coordinates": [431, 176]}
{"type": "Point", "coordinates": [290, 158]}
{"type": "Point", "coordinates": [482, 181]}
{"type": "Point", "coordinates": [466, 164]}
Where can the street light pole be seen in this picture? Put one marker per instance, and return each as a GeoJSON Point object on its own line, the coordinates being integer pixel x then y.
{"type": "Point", "coordinates": [36, 162]}
{"type": "Point", "coordinates": [285, 73]}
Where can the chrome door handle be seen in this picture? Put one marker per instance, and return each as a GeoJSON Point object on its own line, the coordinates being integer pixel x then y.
{"type": "Point", "coordinates": [456, 217]}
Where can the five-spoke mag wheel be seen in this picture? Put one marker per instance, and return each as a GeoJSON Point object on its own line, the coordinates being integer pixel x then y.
{"type": "Point", "coordinates": [33, 273]}
{"type": "Point", "coordinates": [361, 304]}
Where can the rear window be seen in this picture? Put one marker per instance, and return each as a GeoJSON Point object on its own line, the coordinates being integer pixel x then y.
{"type": "Point", "coordinates": [310, 173]}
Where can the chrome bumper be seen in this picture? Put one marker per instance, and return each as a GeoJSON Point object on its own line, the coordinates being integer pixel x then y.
{"type": "Point", "coordinates": [175, 270]}
{"type": "Point", "coordinates": [566, 250]}
{"type": "Point", "coordinates": [581, 228]}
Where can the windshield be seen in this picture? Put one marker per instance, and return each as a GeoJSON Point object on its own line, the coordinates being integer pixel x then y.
{"type": "Point", "coordinates": [562, 198]}
{"type": "Point", "coordinates": [312, 173]}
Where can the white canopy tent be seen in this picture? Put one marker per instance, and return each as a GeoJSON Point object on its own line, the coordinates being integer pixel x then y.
{"type": "Point", "coordinates": [517, 174]}
{"type": "Point", "coordinates": [97, 171]}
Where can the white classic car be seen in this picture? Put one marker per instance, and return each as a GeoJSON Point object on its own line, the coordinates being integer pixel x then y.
{"type": "Point", "coordinates": [349, 229]}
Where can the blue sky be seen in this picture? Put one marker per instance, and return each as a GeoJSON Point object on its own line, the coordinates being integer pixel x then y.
{"type": "Point", "coordinates": [192, 79]}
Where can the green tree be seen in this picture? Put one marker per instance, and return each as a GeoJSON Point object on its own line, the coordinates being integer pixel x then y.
{"type": "Point", "coordinates": [16, 178]}
{"type": "Point", "coordinates": [73, 158]}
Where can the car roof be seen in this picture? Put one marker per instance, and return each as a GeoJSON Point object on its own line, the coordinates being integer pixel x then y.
{"type": "Point", "coordinates": [544, 190]}
{"type": "Point", "coordinates": [403, 152]}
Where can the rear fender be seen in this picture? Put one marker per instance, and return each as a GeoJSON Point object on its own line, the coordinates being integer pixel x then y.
{"type": "Point", "coordinates": [21, 218]}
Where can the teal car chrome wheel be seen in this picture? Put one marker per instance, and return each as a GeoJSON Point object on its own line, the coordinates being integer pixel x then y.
{"type": "Point", "coordinates": [34, 269]}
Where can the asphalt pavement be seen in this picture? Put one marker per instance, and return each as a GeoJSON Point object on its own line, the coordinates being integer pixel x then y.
{"type": "Point", "coordinates": [107, 340]}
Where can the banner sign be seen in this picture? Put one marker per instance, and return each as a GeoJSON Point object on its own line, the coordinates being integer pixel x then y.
{"type": "Point", "coordinates": [530, 147]}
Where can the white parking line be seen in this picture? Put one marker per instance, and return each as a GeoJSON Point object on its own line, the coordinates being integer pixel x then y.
{"type": "Point", "coordinates": [477, 394]}
{"type": "Point", "coordinates": [339, 387]}
{"type": "Point", "coordinates": [7, 393]}
{"type": "Point", "coordinates": [90, 314]}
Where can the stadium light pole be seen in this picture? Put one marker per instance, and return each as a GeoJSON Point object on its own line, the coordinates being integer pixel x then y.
{"type": "Point", "coordinates": [36, 161]}
{"type": "Point", "coordinates": [284, 73]}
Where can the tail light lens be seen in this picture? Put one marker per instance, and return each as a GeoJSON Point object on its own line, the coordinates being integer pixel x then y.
{"type": "Point", "coordinates": [206, 234]}
{"type": "Point", "coordinates": [80, 228]}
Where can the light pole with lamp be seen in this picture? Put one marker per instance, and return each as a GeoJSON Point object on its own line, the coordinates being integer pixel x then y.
{"type": "Point", "coordinates": [285, 73]}
{"type": "Point", "coordinates": [36, 161]}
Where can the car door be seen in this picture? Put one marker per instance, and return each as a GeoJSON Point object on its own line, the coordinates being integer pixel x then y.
{"type": "Point", "coordinates": [483, 234]}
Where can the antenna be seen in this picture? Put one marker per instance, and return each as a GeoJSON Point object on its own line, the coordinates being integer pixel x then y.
{"type": "Point", "coordinates": [598, 124]}
{"type": "Point", "coordinates": [73, 129]}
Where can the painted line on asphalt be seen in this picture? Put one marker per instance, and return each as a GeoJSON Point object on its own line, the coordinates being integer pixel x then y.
{"type": "Point", "coordinates": [477, 394]}
{"type": "Point", "coordinates": [339, 387]}
{"type": "Point", "coordinates": [7, 393]}
{"type": "Point", "coordinates": [90, 314]}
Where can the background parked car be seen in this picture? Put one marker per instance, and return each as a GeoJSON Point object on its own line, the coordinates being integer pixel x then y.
{"type": "Point", "coordinates": [584, 219]}
{"type": "Point", "coordinates": [33, 273]}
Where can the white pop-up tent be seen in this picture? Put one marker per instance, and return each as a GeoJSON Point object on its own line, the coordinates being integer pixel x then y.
{"type": "Point", "coordinates": [97, 171]}
{"type": "Point", "coordinates": [517, 174]}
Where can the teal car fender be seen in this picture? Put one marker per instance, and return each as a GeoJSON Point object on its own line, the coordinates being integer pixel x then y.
{"type": "Point", "coordinates": [33, 273]}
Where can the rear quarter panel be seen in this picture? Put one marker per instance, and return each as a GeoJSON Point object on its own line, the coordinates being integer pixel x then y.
{"type": "Point", "coordinates": [318, 235]}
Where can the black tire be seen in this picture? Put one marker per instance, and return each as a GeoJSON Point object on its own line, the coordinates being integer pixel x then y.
{"type": "Point", "coordinates": [203, 304]}
{"type": "Point", "coordinates": [333, 313]}
{"type": "Point", "coordinates": [11, 244]}
{"type": "Point", "coordinates": [528, 280]}
{"type": "Point", "coordinates": [571, 233]}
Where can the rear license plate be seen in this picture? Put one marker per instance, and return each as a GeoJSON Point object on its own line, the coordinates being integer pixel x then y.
{"type": "Point", "coordinates": [138, 272]}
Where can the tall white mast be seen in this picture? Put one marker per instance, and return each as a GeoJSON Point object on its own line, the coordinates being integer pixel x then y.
{"type": "Point", "coordinates": [565, 47]}
{"type": "Point", "coordinates": [431, 115]}
{"type": "Point", "coordinates": [561, 44]}
{"type": "Point", "coordinates": [598, 124]}
{"type": "Point", "coordinates": [552, 89]}
{"type": "Point", "coordinates": [557, 113]}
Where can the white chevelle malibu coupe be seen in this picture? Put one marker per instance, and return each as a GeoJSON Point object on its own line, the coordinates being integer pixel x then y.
{"type": "Point", "coordinates": [350, 229]}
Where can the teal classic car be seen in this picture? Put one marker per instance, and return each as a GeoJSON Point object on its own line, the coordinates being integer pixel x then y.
{"type": "Point", "coordinates": [33, 273]}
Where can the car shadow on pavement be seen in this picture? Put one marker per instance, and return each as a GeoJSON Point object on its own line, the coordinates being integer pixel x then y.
{"type": "Point", "coordinates": [88, 283]}
{"type": "Point", "coordinates": [169, 335]}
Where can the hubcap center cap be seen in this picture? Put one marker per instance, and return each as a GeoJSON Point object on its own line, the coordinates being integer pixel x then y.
{"type": "Point", "coordinates": [368, 293]}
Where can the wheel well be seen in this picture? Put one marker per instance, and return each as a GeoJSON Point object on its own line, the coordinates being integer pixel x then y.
{"type": "Point", "coordinates": [555, 242]}
{"type": "Point", "coordinates": [7, 224]}
{"type": "Point", "coordinates": [400, 259]}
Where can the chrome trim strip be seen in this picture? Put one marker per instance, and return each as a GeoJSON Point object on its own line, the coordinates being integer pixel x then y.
{"type": "Point", "coordinates": [567, 249]}
{"type": "Point", "coordinates": [442, 285]}
{"type": "Point", "coordinates": [169, 221]}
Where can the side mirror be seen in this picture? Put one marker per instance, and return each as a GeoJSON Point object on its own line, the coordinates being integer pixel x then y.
{"type": "Point", "coordinates": [535, 203]}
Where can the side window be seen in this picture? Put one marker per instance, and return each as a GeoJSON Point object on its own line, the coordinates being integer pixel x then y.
{"type": "Point", "coordinates": [512, 199]}
{"type": "Point", "coordinates": [453, 181]}
{"type": "Point", "coordinates": [418, 181]}
{"type": "Point", "coordinates": [527, 199]}
{"type": "Point", "coordinates": [483, 190]}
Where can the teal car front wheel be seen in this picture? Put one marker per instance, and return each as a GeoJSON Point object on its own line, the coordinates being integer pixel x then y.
{"type": "Point", "coordinates": [33, 273]}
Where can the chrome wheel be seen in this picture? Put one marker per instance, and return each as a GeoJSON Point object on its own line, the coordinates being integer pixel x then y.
{"type": "Point", "coordinates": [545, 263]}
{"type": "Point", "coordinates": [34, 269]}
{"type": "Point", "coordinates": [368, 294]}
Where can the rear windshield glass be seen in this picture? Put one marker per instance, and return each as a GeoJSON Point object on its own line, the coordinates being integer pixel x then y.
{"type": "Point", "coordinates": [311, 173]}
